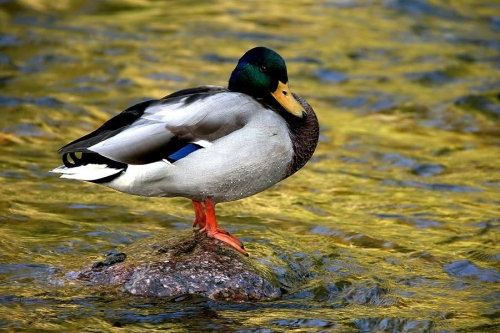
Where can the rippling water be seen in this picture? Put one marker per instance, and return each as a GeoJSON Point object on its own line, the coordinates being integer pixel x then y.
{"type": "Point", "coordinates": [393, 226]}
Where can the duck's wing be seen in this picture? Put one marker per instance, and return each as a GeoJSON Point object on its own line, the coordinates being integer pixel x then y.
{"type": "Point", "coordinates": [110, 128]}
{"type": "Point", "coordinates": [169, 128]}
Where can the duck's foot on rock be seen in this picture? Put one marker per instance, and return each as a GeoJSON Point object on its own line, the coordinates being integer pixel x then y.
{"type": "Point", "coordinates": [189, 263]}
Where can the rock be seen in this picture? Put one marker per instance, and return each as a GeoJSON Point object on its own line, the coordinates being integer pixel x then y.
{"type": "Point", "coordinates": [186, 263]}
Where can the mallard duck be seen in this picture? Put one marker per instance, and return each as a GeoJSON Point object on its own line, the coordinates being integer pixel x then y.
{"type": "Point", "coordinates": [209, 144]}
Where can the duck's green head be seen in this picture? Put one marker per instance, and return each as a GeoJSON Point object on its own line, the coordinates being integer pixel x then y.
{"type": "Point", "coordinates": [261, 73]}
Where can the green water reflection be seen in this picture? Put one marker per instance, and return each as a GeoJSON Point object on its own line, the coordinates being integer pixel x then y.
{"type": "Point", "coordinates": [394, 224]}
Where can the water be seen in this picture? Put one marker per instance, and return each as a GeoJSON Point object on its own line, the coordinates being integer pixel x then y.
{"type": "Point", "coordinates": [393, 226]}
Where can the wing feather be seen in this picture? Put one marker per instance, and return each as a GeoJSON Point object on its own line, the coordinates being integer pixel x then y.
{"type": "Point", "coordinates": [153, 130]}
{"type": "Point", "coordinates": [138, 144]}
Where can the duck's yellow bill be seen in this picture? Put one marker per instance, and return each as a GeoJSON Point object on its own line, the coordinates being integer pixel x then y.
{"type": "Point", "coordinates": [284, 96]}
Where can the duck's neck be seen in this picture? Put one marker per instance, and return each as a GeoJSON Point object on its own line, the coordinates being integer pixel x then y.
{"type": "Point", "coordinates": [304, 134]}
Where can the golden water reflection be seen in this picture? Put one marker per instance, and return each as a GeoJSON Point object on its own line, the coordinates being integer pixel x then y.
{"type": "Point", "coordinates": [394, 223]}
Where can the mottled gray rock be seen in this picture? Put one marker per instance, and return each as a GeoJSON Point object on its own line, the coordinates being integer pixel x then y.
{"type": "Point", "coordinates": [186, 263]}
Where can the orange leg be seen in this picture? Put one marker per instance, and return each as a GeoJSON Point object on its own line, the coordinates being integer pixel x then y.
{"type": "Point", "coordinates": [200, 218]}
{"type": "Point", "coordinates": [213, 231]}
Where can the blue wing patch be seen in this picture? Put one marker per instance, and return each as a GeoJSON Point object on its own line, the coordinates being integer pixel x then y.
{"type": "Point", "coordinates": [183, 152]}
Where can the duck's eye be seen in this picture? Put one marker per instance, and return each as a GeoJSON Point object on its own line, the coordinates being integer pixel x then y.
{"type": "Point", "coordinates": [263, 68]}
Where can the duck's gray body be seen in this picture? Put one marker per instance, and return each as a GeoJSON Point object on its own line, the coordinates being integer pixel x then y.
{"type": "Point", "coordinates": [243, 146]}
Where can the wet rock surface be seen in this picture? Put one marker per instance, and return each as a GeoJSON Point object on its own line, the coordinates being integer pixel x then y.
{"type": "Point", "coordinates": [187, 263]}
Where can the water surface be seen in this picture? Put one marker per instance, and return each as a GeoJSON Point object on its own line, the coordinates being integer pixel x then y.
{"type": "Point", "coordinates": [393, 225]}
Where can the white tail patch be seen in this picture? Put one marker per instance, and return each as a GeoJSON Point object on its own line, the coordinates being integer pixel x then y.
{"type": "Point", "coordinates": [89, 172]}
